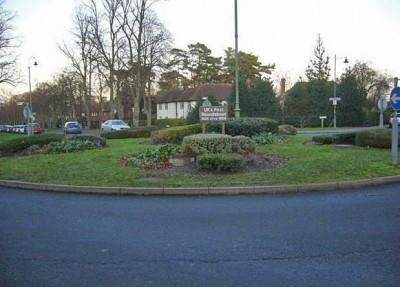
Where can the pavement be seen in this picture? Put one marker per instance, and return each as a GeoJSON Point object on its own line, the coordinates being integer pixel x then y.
{"type": "Point", "coordinates": [231, 190]}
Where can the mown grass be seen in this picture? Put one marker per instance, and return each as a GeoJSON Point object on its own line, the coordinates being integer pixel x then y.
{"type": "Point", "coordinates": [306, 164]}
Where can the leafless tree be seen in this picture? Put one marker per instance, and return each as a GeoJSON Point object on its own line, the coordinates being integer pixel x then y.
{"type": "Point", "coordinates": [9, 73]}
{"type": "Point", "coordinates": [83, 57]}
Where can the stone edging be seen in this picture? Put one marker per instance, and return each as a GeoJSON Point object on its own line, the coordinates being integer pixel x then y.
{"type": "Point", "coordinates": [249, 190]}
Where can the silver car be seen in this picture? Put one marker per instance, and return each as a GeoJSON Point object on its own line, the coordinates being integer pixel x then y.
{"type": "Point", "coordinates": [114, 125]}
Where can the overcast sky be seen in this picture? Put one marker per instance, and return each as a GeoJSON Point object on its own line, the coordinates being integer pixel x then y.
{"type": "Point", "coordinates": [283, 32]}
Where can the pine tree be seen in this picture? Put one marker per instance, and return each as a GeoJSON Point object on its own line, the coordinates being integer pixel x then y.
{"type": "Point", "coordinates": [318, 69]}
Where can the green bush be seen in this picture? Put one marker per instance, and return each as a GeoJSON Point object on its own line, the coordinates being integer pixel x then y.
{"type": "Point", "coordinates": [219, 162]}
{"type": "Point", "coordinates": [340, 138]}
{"type": "Point", "coordinates": [287, 130]}
{"type": "Point", "coordinates": [243, 145]}
{"type": "Point", "coordinates": [67, 146]}
{"type": "Point", "coordinates": [377, 138]}
{"type": "Point", "coordinates": [139, 132]}
{"type": "Point", "coordinates": [20, 144]}
{"type": "Point", "coordinates": [87, 137]}
{"type": "Point", "coordinates": [245, 126]}
{"type": "Point", "coordinates": [175, 134]}
{"type": "Point", "coordinates": [153, 157]}
{"type": "Point", "coordinates": [207, 143]}
{"type": "Point", "coordinates": [267, 138]}
{"type": "Point", "coordinates": [169, 122]}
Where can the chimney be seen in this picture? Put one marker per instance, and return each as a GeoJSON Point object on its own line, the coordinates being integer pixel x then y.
{"type": "Point", "coordinates": [283, 86]}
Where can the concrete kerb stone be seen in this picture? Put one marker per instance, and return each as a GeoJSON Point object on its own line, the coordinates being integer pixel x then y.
{"type": "Point", "coordinates": [250, 190]}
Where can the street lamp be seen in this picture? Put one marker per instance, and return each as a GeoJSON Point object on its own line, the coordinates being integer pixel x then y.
{"type": "Point", "coordinates": [30, 132]}
{"type": "Point", "coordinates": [237, 108]}
{"type": "Point", "coordinates": [336, 99]}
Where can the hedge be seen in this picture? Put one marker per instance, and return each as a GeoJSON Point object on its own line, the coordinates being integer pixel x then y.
{"type": "Point", "coordinates": [219, 162]}
{"type": "Point", "coordinates": [139, 132]}
{"type": "Point", "coordinates": [174, 135]}
{"type": "Point", "coordinates": [245, 126]}
{"type": "Point", "coordinates": [20, 144]}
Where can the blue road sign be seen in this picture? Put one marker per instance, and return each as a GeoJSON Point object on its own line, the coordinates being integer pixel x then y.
{"type": "Point", "coordinates": [395, 98]}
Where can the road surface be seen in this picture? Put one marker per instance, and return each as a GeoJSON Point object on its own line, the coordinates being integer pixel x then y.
{"type": "Point", "coordinates": [340, 238]}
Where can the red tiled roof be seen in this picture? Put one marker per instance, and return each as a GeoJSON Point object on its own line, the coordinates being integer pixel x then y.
{"type": "Point", "coordinates": [221, 92]}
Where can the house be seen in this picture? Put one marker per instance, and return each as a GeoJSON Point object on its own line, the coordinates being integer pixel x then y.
{"type": "Point", "coordinates": [178, 103]}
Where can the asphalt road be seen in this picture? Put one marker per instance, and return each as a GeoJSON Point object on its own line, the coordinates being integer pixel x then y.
{"type": "Point", "coordinates": [341, 238]}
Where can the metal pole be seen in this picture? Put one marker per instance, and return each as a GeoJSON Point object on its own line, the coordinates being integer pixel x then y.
{"type": "Point", "coordinates": [30, 103]}
{"type": "Point", "coordinates": [395, 132]}
{"type": "Point", "coordinates": [237, 108]}
{"type": "Point", "coordinates": [334, 93]}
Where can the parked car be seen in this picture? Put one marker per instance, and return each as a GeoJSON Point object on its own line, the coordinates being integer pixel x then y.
{"type": "Point", "coordinates": [72, 128]}
{"type": "Point", "coordinates": [114, 125]}
{"type": "Point", "coordinates": [19, 129]}
{"type": "Point", "coordinates": [391, 119]}
{"type": "Point", "coordinates": [37, 129]}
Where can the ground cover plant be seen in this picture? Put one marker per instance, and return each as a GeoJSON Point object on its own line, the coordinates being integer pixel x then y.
{"type": "Point", "coordinates": [101, 167]}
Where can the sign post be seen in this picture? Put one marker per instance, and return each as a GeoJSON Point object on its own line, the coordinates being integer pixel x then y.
{"type": "Point", "coordinates": [334, 102]}
{"type": "Point", "coordinates": [395, 102]}
{"type": "Point", "coordinates": [213, 114]}
{"type": "Point", "coordinates": [382, 105]}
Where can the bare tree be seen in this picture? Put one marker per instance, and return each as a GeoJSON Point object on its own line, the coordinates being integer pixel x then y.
{"type": "Point", "coordinates": [105, 37]}
{"type": "Point", "coordinates": [82, 56]}
{"type": "Point", "coordinates": [9, 74]}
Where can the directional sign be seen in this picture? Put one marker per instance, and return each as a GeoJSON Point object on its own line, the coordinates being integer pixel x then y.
{"type": "Point", "coordinates": [395, 98]}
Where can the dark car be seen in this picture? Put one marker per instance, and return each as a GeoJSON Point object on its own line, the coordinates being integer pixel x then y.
{"type": "Point", "coordinates": [72, 128]}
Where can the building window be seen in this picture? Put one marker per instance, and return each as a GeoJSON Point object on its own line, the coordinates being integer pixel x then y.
{"type": "Point", "coordinates": [160, 107]}
{"type": "Point", "coordinates": [182, 105]}
{"type": "Point", "coordinates": [166, 106]}
{"type": "Point", "coordinates": [189, 106]}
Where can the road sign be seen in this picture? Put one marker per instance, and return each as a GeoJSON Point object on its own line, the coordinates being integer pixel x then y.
{"type": "Point", "coordinates": [382, 103]}
{"type": "Point", "coordinates": [26, 112]}
{"type": "Point", "coordinates": [395, 98]}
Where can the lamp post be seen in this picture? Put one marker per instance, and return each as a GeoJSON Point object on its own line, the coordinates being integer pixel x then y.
{"type": "Point", "coordinates": [30, 132]}
{"type": "Point", "coordinates": [237, 108]}
{"type": "Point", "coordinates": [336, 99]}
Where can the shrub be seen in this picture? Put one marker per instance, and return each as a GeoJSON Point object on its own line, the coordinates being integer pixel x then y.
{"type": "Point", "coordinates": [245, 126]}
{"type": "Point", "coordinates": [242, 144]}
{"type": "Point", "coordinates": [169, 122]}
{"type": "Point", "coordinates": [207, 143]}
{"type": "Point", "coordinates": [175, 134]}
{"type": "Point", "coordinates": [267, 138]}
{"type": "Point", "coordinates": [155, 157]}
{"type": "Point", "coordinates": [67, 146]}
{"type": "Point", "coordinates": [139, 132]}
{"type": "Point", "coordinates": [287, 130]}
{"type": "Point", "coordinates": [377, 138]}
{"type": "Point", "coordinates": [86, 137]}
{"type": "Point", "coordinates": [219, 162]}
{"type": "Point", "coordinates": [340, 138]}
{"type": "Point", "coordinates": [20, 144]}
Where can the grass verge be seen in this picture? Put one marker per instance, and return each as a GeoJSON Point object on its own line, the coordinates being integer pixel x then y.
{"type": "Point", "coordinates": [307, 164]}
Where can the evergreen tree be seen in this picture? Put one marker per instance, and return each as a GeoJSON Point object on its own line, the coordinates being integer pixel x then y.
{"type": "Point", "coordinates": [318, 69]}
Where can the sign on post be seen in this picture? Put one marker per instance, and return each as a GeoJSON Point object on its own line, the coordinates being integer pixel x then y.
{"type": "Point", "coordinates": [395, 102]}
{"type": "Point", "coordinates": [213, 114]}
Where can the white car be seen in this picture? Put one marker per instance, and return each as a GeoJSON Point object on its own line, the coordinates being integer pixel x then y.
{"type": "Point", "coordinates": [114, 125]}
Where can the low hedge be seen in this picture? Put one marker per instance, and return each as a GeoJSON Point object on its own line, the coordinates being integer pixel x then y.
{"type": "Point", "coordinates": [174, 135]}
{"type": "Point", "coordinates": [245, 126]}
{"type": "Point", "coordinates": [102, 142]}
{"type": "Point", "coordinates": [217, 143]}
{"type": "Point", "coordinates": [207, 143]}
{"type": "Point", "coordinates": [139, 132]}
{"type": "Point", "coordinates": [340, 138]}
{"type": "Point", "coordinates": [377, 138]}
{"type": "Point", "coordinates": [287, 130]}
{"type": "Point", "coordinates": [20, 144]}
{"type": "Point", "coordinates": [219, 162]}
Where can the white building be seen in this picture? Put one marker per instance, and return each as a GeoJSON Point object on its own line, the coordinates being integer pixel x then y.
{"type": "Point", "coordinates": [178, 103]}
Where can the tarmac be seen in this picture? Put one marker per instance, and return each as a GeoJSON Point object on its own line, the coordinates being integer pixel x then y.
{"type": "Point", "coordinates": [204, 191]}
